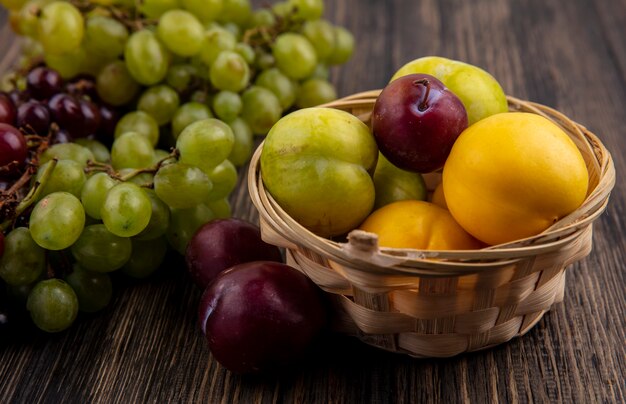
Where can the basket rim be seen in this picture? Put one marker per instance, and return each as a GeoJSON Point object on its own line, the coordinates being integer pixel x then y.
{"type": "Point", "coordinates": [448, 262]}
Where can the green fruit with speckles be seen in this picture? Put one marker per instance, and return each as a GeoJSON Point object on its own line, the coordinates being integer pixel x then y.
{"type": "Point", "coordinates": [318, 163]}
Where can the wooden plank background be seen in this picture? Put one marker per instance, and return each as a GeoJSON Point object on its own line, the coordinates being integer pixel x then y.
{"type": "Point", "coordinates": [570, 55]}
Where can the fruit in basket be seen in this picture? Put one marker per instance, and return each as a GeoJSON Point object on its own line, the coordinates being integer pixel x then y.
{"type": "Point", "coordinates": [479, 91]}
{"type": "Point", "coordinates": [394, 184]}
{"type": "Point", "coordinates": [420, 225]}
{"type": "Point", "coordinates": [260, 315]}
{"type": "Point", "coordinates": [512, 175]}
{"type": "Point", "coordinates": [317, 163]}
{"type": "Point", "coordinates": [223, 243]}
{"type": "Point", "coordinates": [415, 121]}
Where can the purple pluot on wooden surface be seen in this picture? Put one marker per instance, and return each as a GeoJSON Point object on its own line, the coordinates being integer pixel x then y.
{"type": "Point", "coordinates": [261, 316]}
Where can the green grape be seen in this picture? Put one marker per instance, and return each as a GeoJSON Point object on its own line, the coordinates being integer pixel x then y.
{"type": "Point", "coordinates": [244, 142]}
{"type": "Point", "coordinates": [184, 223]}
{"type": "Point", "coordinates": [232, 28]}
{"type": "Point", "coordinates": [67, 176]}
{"type": "Point", "coordinates": [180, 77]}
{"type": "Point", "coordinates": [131, 150]}
{"type": "Point", "coordinates": [205, 10]}
{"type": "Point", "coordinates": [220, 208]}
{"type": "Point", "coordinates": [181, 32]}
{"type": "Point", "coordinates": [105, 36]}
{"type": "Point", "coordinates": [99, 151]}
{"type": "Point", "coordinates": [93, 290]}
{"type": "Point", "coordinates": [321, 34]}
{"type": "Point", "coordinates": [115, 85]}
{"type": "Point", "coordinates": [53, 305]}
{"type": "Point", "coordinates": [60, 27]}
{"type": "Point", "coordinates": [27, 18]}
{"type": "Point", "coordinates": [141, 179]}
{"type": "Point", "coordinates": [344, 46]}
{"type": "Point", "coordinates": [200, 96]}
{"type": "Point", "coordinates": [321, 72]}
{"type": "Point", "coordinates": [159, 220]}
{"type": "Point", "coordinates": [229, 72]}
{"type": "Point", "coordinates": [216, 40]}
{"type": "Point", "coordinates": [126, 210]}
{"type": "Point", "coordinates": [160, 154]}
{"type": "Point", "coordinates": [282, 9]}
{"type": "Point", "coordinates": [94, 193]}
{"type": "Point", "coordinates": [315, 92]}
{"type": "Point", "coordinates": [156, 8]}
{"type": "Point", "coordinates": [282, 87]}
{"type": "Point", "coordinates": [140, 122]}
{"type": "Point", "coordinates": [261, 109]}
{"type": "Point", "coordinates": [224, 178]}
{"type": "Point", "coordinates": [264, 60]}
{"type": "Point", "coordinates": [68, 64]}
{"type": "Point", "coordinates": [67, 151]}
{"type": "Point", "coordinates": [262, 18]}
{"type": "Point", "coordinates": [237, 11]}
{"type": "Point", "coordinates": [187, 114]}
{"type": "Point", "coordinates": [23, 261]}
{"type": "Point", "coordinates": [181, 185]}
{"type": "Point", "coordinates": [160, 102]}
{"type": "Point", "coordinates": [146, 258]}
{"type": "Point", "coordinates": [99, 250]}
{"type": "Point", "coordinates": [294, 55]}
{"type": "Point", "coordinates": [13, 5]}
{"type": "Point", "coordinates": [57, 221]}
{"type": "Point", "coordinates": [205, 144]}
{"type": "Point", "coordinates": [146, 58]}
{"type": "Point", "coordinates": [227, 105]}
{"type": "Point", "coordinates": [308, 9]}
{"type": "Point", "coordinates": [246, 52]}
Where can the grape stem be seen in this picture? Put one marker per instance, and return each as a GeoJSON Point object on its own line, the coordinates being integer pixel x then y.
{"type": "Point", "coordinates": [33, 193]}
{"type": "Point", "coordinates": [95, 166]}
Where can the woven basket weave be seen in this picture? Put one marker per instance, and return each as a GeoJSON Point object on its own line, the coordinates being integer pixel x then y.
{"type": "Point", "coordinates": [441, 303]}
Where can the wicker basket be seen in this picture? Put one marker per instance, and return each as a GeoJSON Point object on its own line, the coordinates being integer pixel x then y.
{"type": "Point", "coordinates": [441, 303]}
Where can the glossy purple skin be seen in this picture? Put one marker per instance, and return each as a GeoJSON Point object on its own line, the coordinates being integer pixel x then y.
{"type": "Point", "coordinates": [416, 120]}
{"type": "Point", "coordinates": [8, 112]}
{"type": "Point", "coordinates": [109, 116]}
{"type": "Point", "coordinates": [91, 118]}
{"type": "Point", "coordinates": [66, 112]}
{"type": "Point", "coordinates": [261, 316]}
{"type": "Point", "coordinates": [33, 116]}
{"type": "Point", "coordinates": [42, 83]}
{"type": "Point", "coordinates": [12, 145]}
{"type": "Point", "coordinates": [220, 244]}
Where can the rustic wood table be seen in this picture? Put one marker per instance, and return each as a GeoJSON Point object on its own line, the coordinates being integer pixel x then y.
{"type": "Point", "coordinates": [570, 55]}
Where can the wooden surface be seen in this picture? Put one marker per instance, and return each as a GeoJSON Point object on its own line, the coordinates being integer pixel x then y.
{"type": "Point", "coordinates": [567, 54]}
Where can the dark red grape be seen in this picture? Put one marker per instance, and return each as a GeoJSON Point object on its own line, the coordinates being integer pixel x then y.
{"type": "Point", "coordinates": [67, 113]}
{"type": "Point", "coordinates": [220, 244]}
{"type": "Point", "coordinates": [7, 109]}
{"type": "Point", "coordinates": [43, 83]}
{"type": "Point", "coordinates": [91, 117]}
{"type": "Point", "coordinates": [18, 97]}
{"type": "Point", "coordinates": [33, 116]}
{"type": "Point", "coordinates": [109, 116]}
{"type": "Point", "coordinates": [12, 145]}
{"type": "Point", "coordinates": [260, 316]}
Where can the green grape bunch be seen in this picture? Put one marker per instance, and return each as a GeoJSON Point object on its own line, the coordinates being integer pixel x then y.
{"type": "Point", "coordinates": [179, 89]}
